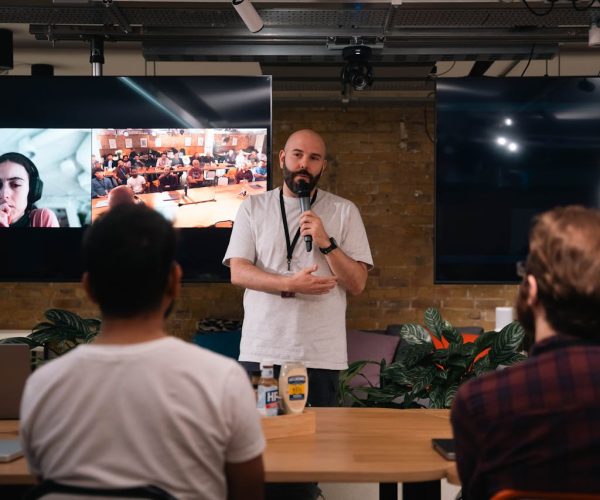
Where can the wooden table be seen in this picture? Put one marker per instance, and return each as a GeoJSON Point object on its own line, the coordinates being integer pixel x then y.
{"type": "Point", "coordinates": [373, 445]}
{"type": "Point", "coordinates": [202, 207]}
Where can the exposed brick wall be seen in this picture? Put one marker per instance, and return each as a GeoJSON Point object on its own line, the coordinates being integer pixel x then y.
{"type": "Point", "coordinates": [382, 159]}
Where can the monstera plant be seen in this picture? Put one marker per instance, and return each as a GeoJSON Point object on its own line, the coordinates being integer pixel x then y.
{"type": "Point", "coordinates": [432, 362]}
{"type": "Point", "coordinates": [61, 332]}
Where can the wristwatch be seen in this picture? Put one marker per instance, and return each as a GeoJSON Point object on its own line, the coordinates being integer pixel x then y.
{"type": "Point", "coordinates": [330, 248]}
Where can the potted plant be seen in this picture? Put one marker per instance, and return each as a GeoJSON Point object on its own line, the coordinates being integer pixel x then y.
{"type": "Point", "coordinates": [432, 362]}
{"type": "Point", "coordinates": [62, 331]}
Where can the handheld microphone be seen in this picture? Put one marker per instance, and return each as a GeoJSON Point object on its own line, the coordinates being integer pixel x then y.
{"type": "Point", "coordinates": [303, 191]}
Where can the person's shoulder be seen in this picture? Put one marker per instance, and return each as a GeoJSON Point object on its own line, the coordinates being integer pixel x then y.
{"type": "Point", "coordinates": [48, 373]}
{"type": "Point", "coordinates": [335, 199]}
{"type": "Point", "coordinates": [262, 199]}
{"type": "Point", "coordinates": [43, 217]}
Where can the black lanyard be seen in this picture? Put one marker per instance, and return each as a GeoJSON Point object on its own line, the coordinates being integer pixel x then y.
{"type": "Point", "coordinates": [290, 245]}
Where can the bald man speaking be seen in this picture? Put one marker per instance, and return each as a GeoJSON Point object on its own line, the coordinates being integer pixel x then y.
{"type": "Point", "coordinates": [295, 298]}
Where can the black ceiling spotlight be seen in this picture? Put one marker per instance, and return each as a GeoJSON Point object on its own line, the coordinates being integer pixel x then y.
{"type": "Point", "coordinates": [357, 71]}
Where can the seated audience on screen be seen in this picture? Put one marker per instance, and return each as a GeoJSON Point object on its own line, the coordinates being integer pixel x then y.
{"type": "Point", "coordinates": [207, 158]}
{"type": "Point", "coordinates": [231, 174]}
{"type": "Point", "coordinates": [149, 159]}
{"type": "Point", "coordinates": [230, 157]}
{"type": "Point", "coordinates": [244, 174]}
{"type": "Point", "coordinates": [101, 185]}
{"type": "Point", "coordinates": [109, 162]}
{"type": "Point", "coordinates": [136, 182]}
{"type": "Point", "coordinates": [260, 171]}
{"type": "Point", "coordinates": [534, 426]}
{"type": "Point", "coordinates": [138, 406]}
{"type": "Point", "coordinates": [168, 181]}
{"type": "Point", "coordinates": [240, 159]}
{"type": "Point", "coordinates": [122, 172]}
{"type": "Point", "coordinates": [195, 176]}
{"type": "Point", "coordinates": [136, 160]}
{"type": "Point", "coordinates": [163, 162]}
{"type": "Point", "coordinates": [20, 188]}
{"type": "Point", "coordinates": [176, 161]}
{"type": "Point", "coordinates": [127, 161]}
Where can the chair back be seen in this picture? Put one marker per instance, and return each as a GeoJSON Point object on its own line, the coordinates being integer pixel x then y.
{"type": "Point", "coordinates": [54, 489]}
{"type": "Point", "coordinates": [509, 494]}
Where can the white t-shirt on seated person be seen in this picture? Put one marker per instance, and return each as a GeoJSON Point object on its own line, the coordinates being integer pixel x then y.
{"type": "Point", "coordinates": [137, 184]}
{"type": "Point", "coordinates": [164, 412]}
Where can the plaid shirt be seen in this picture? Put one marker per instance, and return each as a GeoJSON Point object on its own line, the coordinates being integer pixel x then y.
{"type": "Point", "coordinates": [533, 426]}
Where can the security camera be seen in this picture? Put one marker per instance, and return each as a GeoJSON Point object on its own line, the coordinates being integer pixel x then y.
{"type": "Point", "coordinates": [357, 71]}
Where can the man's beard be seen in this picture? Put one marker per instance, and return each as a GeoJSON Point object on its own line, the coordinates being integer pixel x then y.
{"type": "Point", "coordinates": [302, 185]}
{"type": "Point", "coordinates": [525, 314]}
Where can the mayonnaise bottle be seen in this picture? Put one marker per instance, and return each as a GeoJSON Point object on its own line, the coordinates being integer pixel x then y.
{"type": "Point", "coordinates": [293, 387]}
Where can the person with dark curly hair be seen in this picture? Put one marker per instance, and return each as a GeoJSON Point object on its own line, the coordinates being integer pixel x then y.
{"type": "Point", "coordinates": [20, 188]}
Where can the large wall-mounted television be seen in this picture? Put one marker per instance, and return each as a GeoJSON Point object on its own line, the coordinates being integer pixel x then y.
{"type": "Point", "coordinates": [196, 147]}
{"type": "Point", "coordinates": [506, 150]}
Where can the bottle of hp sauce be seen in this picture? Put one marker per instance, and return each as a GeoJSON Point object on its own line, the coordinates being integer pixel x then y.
{"type": "Point", "coordinates": [293, 384]}
{"type": "Point", "coordinates": [268, 395]}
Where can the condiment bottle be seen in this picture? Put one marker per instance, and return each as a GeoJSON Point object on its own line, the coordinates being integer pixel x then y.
{"type": "Point", "coordinates": [293, 385]}
{"type": "Point", "coordinates": [268, 395]}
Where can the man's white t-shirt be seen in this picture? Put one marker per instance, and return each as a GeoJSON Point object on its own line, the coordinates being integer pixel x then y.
{"type": "Point", "coordinates": [137, 184]}
{"type": "Point", "coordinates": [164, 412]}
{"type": "Point", "coordinates": [307, 328]}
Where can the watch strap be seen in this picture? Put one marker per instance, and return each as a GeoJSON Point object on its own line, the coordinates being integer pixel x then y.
{"type": "Point", "coordinates": [330, 248]}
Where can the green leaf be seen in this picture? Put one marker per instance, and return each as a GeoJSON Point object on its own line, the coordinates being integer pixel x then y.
{"type": "Point", "coordinates": [506, 343]}
{"type": "Point", "coordinates": [68, 320]}
{"type": "Point", "coordinates": [411, 355]}
{"type": "Point", "coordinates": [449, 396]}
{"type": "Point", "coordinates": [485, 340]}
{"type": "Point", "coordinates": [437, 397]}
{"type": "Point", "coordinates": [424, 380]}
{"type": "Point", "coordinates": [414, 334]}
{"type": "Point", "coordinates": [452, 336]}
{"type": "Point", "coordinates": [517, 357]}
{"type": "Point", "coordinates": [482, 365]}
{"type": "Point", "coordinates": [434, 322]}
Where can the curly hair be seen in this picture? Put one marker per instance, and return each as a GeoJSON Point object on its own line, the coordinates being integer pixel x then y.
{"type": "Point", "coordinates": [564, 258]}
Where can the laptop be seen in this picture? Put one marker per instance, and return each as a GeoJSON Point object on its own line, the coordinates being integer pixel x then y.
{"type": "Point", "coordinates": [15, 367]}
{"type": "Point", "coordinates": [10, 449]}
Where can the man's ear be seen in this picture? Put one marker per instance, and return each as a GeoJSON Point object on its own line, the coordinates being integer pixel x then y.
{"type": "Point", "coordinates": [281, 158]}
{"type": "Point", "coordinates": [85, 281]}
{"type": "Point", "coordinates": [532, 286]}
{"type": "Point", "coordinates": [324, 166]}
{"type": "Point", "coordinates": [174, 280]}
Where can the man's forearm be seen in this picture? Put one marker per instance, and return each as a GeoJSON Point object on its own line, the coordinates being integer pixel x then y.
{"type": "Point", "coordinates": [351, 275]}
{"type": "Point", "coordinates": [247, 275]}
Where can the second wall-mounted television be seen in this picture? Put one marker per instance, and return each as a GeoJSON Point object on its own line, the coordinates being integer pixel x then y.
{"type": "Point", "coordinates": [192, 148]}
{"type": "Point", "coordinates": [506, 150]}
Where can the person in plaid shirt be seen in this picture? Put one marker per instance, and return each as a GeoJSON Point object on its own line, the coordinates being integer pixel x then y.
{"type": "Point", "coordinates": [535, 425]}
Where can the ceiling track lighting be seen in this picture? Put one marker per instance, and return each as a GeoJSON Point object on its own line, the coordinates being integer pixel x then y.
{"type": "Point", "coordinates": [248, 13]}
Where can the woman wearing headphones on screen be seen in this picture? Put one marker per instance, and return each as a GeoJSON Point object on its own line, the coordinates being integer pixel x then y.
{"type": "Point", "coordinates": [20, 188]}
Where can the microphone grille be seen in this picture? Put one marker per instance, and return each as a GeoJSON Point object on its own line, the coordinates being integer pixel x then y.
{"type": "Point", "coordinates": [302, 189]}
